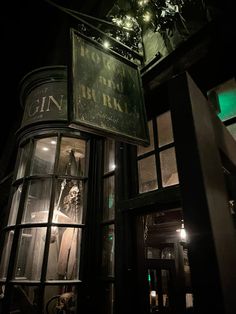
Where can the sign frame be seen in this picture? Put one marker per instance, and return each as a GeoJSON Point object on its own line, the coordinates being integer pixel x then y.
{"type": "Point", "coordinates": [103, 97]}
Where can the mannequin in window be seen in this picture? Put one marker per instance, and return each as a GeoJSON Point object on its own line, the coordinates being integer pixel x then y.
{"type": "Point", "coordinates": [68, 253]}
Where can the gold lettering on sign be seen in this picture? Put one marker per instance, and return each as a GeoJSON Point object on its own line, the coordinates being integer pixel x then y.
{"type": "Point", "coordinates": [87, 93]}
{"type": "Point", "coordinates": [104, 61]}
{"type": "Point", "coordinates": [32, 110]}
{"type": "Point", "coordinates": [111, 102]}
{"type": "Point", "coordinates": [51, 99]}
{"type": "Point", "coordinates": [44, 104]}
{"type": "Point", "coordinates": [109, 83]}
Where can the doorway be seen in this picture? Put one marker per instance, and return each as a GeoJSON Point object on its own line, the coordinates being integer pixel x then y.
{"type": "Point", "coordinates": [165, 253]}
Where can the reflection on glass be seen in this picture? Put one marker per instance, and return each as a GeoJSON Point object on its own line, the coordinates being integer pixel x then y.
{"type": "Point", "coordinates": [108, 250]}
{"type": "Point", "coordinates": [44, 156]}
{"type": "Point", "coordinates": [189, 300]}
{"type": "Point", "coordinates": [108, 302]}
{"type": "Point", "coordinates": [232, 130]}
{"type": "Point", "coordinates": [169, 171]}
{"type": "Point", "coordinates": [164, 127]}
{"type": "Point", "coordinates": [64, 254]}
{"type": "Point", "coordinates": [6, 254]}
{"type": "Point", "coordinates": [147, 174]}
{"type": "Point", "coordinates": [168, 253]}
{"type": "Point", "coordinates": [142, 149]}
{"type": "Point", "coordinates": [109, 198]}
{"type": "Point", "coordinates": [37, 201]}
{"type": "Point", "coordinates": [109, 155]}
{"type": "Point", "coordinates": [24, 153]}
{"type": "Point", "coordinates": [14, 206]}
{"type": "Point", "coordinates": [24, 298]}
{"type": "Point", "coordinates": [161, 234]}
{"type": "Point", "coordinates": [30, 254]}
{"type": "Point", "coordinates": [72, 157]}
{"type": "Point", "coordinates": [160, 286]}
{"type": "Point", "coordinates": [60, 299]}
{"type": "Point", "coordinates": [68, 206]}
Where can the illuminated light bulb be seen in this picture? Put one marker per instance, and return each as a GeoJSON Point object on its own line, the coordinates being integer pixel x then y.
{"type": "Point", "coordinates": [106, 44]}
{"type": "Point", "coordinates": [53, 142]}
{"type": "Point", "coordinates": [147, 17]}
{"type": "Point", "coordinates": [128, 24]}
{"type": "Point", "coordinates": [45, 149]}
{"type": "Point", "coordinates": [153, 296]}
{"type": "Point", "coordinates": [112, 166]}
{"type": "Point", "coordinates": [182, 232]}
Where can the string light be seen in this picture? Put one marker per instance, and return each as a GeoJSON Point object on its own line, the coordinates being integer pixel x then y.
{"type": "Point", "coordinates": [127, 25]}
{"type": "Point", "coordinates": [106, 44]}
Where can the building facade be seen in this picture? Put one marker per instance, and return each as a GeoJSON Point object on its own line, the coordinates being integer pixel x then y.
{"type": "Point", "coordinates": [92, 223]}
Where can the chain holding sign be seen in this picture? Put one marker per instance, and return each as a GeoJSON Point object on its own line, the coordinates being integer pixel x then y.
{"type": "Point", "coordinates": [106, 93]}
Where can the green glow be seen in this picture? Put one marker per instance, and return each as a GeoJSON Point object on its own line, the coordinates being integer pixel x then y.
{"type": "Point", "coordinates": [227, 102]}
{"type": "Point", "coordinates": [149, 278]}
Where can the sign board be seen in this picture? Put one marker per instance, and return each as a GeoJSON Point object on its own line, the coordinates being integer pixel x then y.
{"type": "Point", "coordinates": [106, 91]}
{"type": "Point", "coordinates": [43, 94]}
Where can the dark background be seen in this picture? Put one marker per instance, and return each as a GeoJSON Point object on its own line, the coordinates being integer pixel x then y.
{"type": "Point", "coordinates": [33, 34]}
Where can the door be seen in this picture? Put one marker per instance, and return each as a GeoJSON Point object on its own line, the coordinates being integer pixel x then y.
{"type": "Point", "coordinates": [166, 265]}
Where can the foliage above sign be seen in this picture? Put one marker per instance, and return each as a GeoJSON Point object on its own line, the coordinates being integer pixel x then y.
{"type": "Point", "coordinates": [107, 96]}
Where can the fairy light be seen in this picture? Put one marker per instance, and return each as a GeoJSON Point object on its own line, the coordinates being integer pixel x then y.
{"type": "Point", "coordinates": [147, 17]}
{"type": "Point", "coordinates": [106, 44]}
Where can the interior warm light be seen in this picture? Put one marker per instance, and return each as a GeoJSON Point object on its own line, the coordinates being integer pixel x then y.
{"type": "Point", "coordinates": [45, 149]}
{"type": "Point", "coordinates": [183, 235]}
{"type": "Point", "coordinates": [182, 232]}
{"type": "Point", "coordinates": [53, 142]}
{"type": "Point", "coordinates": [153, 297]}
{"type": "Point", "coordinates": [112, 166]}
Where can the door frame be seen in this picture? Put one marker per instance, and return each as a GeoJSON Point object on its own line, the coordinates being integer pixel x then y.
{"type": "Point", "coordinates": [201, 139]}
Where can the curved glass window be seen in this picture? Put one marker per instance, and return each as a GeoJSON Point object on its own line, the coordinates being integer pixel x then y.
{"type": "Point", "coordinates": [43, 236]}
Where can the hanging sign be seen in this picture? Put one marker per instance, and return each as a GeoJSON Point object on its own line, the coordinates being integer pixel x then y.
{"type": "Point", "coordinates": [106, 93]}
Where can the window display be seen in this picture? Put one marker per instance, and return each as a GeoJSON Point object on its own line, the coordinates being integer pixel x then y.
{"type": "Point", "coordinates": [46, 218]}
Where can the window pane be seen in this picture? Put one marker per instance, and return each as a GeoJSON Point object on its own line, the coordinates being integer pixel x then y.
{"type": "Point", "coordinates": [24, 153]}
{"type": "Point", "coordinates": [232, 130]}
{"type": "Point", "coordinates": [164, 127]}
{"type": "Point", "coordinates": [30, 254]}
{"type": "Point", "coordinates": [60, 299]}
{"type": "Point", "coordinates": [64, 254]}
{"type": "Point", "coordinates": [109, 198]}
{"type": "Point", "coordinates": [6, 254]}
{"type": "Point", "coordinates": [109, 156]}
{"type": "Point", "coordinates": [15, 206]}
{"type": "Point", "coordinates": [44, 156]}
{"type": "Point", "coordinates": [166, 245]}
{"type": "Point", "coordinates": [72, 157]}
{"type": "Point", "coordinates": [147, 174]}
{"type": "Point", "coordinates": [24, 299]}
{"type": "Point", "coordinates": [37, 202]}
{"type": "Point", "coordinates": [169, 171]}
{"type": "Point", "coordinates": [142, 149]}
{"type": "Point", "coordinates": [108, 250]}
{"type": "Point", "coordinates": [68, 206]}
